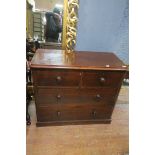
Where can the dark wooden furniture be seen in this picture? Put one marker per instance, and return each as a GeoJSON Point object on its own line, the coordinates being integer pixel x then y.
{"type": "Point", "coordinates": [78, 88]}
{"type": "Point", "coordinates": [50, 45]}
{"type": "Point", "coordinates": [28, 100]}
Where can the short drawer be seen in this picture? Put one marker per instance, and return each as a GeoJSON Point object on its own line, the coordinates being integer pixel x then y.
{"type": "Point", "coordinates": [75, 96]}
{"type": "Point", "coordinates": [74, 112]}
{"type": "Point", "coordinates": [102, 78]}
{"type": "Point", "coordinates": [51, 77]}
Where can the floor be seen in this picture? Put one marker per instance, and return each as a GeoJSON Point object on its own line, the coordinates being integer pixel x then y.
{"type": "Point", "coordinates": [101, 139]}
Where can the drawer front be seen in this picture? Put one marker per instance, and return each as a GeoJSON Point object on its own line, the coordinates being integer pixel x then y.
{"type": "Point", "coordinates": [75, 96]}
{"type": "Point", "coordinates": [102, 78]}
{"type": "Point", "coordinates": [48, 96]}
{"type": "Point", "coordinates": [47, 113]}
{"type": "Point", "coordinates": [98, 95]}
{"type": "Point", "coordinates": [74, 112]}
{"type": "Point", "coordinates": [57, 78]}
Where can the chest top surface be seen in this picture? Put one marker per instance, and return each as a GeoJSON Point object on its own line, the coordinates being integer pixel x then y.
{"type": "Point", "coordinates": [51, 58]}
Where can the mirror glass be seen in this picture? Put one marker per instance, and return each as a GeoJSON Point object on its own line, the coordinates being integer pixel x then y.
{"type": "Point", "coordinates": [45, 21]}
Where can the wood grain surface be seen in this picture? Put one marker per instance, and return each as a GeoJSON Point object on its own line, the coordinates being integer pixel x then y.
{"type": "Point", "coordinates": [51, 58]}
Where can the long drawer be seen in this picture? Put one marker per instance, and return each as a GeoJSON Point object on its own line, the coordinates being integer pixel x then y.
{"type": "Point", "coordinates": [69, 112]}
{"type": "Point", "coordinates": [48, 96]}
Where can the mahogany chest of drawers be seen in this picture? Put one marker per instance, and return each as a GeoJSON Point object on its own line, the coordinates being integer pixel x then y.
{"type": "Point", "coordinates": [75, 88]}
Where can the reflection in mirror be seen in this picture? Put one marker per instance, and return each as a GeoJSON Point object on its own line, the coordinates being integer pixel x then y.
{"type": "Point", "coordinates": [45, 22]}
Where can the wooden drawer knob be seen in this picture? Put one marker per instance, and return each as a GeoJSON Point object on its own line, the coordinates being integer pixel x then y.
{"type": "Point", "coordinates": [58, 96]}
{"type": "Point", "coordinates": [58, 78]}
{"type": "Point", "coordinates": [98, 97]}
{"type": "Point", "coordinates": [58, 113]}
{"type": "Point", "coordinates": [102, 79]}
{"type": "Point", "coordinates": [94, 113]}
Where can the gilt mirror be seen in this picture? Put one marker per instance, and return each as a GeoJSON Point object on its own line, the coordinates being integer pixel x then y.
{"type": "Point", "coordinates": [52, 23]}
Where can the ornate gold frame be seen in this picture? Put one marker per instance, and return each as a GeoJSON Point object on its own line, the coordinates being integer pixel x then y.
{"type": "Point", "coordinates": [69, 25]}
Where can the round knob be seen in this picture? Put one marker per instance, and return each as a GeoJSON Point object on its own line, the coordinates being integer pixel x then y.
{"type": "Point", "coordinates": [58, 96]}
{"type": "Point", "coordinates": [98, 97]}
{"type": "Point", "coordinates": [58, 113]}
{"type": "Point", "coordinates": [58, 78]}
{"type": "Point", "coordinates": [94, 113]}
{"type": "Point", "coordinates": [102, 79]}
